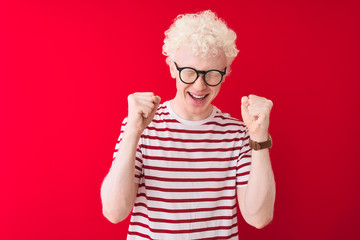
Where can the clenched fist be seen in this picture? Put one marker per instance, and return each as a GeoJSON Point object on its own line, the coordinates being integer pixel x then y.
{"type": "Point", "coordinates": [141, 110]}
{"type": "Point", "coordinates": [255, 112]}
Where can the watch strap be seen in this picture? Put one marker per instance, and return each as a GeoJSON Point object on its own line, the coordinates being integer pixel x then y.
{"type": "Point", "coordinates": [260, 145]}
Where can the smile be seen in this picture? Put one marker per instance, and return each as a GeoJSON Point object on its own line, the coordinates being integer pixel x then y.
{"type": "Point", "coordinates": [197, 97]}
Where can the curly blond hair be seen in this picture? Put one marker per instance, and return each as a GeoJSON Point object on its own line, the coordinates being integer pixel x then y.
{"type": "Point", "coordinates": [204, 33]}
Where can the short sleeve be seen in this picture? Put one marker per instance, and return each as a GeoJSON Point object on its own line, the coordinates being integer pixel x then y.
{"type": "Point", "coordinates": [138, 159]}
{"type": "Point", "coordinates": [243, 165]}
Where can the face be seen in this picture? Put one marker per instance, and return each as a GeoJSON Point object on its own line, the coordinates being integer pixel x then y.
{"type": "Point", "coordinates": [193, 101]}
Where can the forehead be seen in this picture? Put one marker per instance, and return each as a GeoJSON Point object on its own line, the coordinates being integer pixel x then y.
{"type": "Point", "coordinates": [185, 57]}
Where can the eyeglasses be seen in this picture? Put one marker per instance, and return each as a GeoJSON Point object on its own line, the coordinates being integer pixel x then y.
{"type": "Point", "coordinates": [189, 75]}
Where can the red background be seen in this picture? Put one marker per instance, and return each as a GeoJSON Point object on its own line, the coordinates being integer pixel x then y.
{"type": "Point", "coordinates": [66, 69]}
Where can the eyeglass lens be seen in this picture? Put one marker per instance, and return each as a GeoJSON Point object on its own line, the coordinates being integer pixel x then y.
{"type": "Point", "coordinates": [189, 75]}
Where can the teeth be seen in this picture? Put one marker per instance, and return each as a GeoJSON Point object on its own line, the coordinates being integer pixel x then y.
{"type": "Point", "coordinates": [198, 97]}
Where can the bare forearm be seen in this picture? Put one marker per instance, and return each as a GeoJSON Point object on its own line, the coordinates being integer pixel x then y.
{"type": "Point", "coordinates": [260, 192]}
{"type": "Point", "coordinates": [118, 190]}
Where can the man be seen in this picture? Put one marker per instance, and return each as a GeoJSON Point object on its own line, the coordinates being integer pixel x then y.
{"type": "Point", "coordinates": [191, 161]}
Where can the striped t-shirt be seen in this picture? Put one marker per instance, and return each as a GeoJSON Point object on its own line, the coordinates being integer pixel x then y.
{"type": "Point", "coordinates": [188, 172]}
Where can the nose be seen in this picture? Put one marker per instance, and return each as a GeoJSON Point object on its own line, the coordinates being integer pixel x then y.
{"type": "Point", "coordinates": [199, 84]}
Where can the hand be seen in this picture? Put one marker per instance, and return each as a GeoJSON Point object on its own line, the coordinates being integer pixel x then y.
{"type": "Point", "coordinates": [141, 110]}
{"type": "Point", "coordinates": [255, 112]}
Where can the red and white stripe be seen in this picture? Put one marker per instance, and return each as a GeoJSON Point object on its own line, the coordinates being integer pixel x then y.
{"type": "Point", "coordinates": [188, 172]}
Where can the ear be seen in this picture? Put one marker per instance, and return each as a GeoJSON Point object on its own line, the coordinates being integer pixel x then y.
{"type": "Point", "coordinates": [173, 70]}
{"type": "Point", "coordinates": [228, 71]}
{"type": "Point", "coordinates": [226, 74]}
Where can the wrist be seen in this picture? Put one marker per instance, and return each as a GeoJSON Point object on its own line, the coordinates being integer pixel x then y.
{"type": "Point", "coordinates": [260, 137]}
{"type": "Point", "coordinates": [132, 132]}
{"type": "Point", "coordinates": [258, 145]}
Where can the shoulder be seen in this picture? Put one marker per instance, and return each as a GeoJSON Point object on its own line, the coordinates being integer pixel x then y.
{"type": "Point", "coordinates": [162, 109]}
{"type": "Point", "coordinates": [225, 119]}
{"type": "Point", "coordinates": [162, 114]}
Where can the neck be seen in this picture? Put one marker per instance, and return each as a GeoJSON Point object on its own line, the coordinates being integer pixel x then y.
{"type": "Point", "coordinates": [182, 112]}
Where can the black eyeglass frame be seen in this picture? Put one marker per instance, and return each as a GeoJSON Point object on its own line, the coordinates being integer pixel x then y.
{"type": "Point", "coordinates": [200, 72]}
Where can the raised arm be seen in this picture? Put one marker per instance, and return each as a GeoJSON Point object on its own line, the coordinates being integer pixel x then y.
{"type": "Point", "coordinates": [256, 200]}
{"type": "Point", "coordinates": [118, 191]}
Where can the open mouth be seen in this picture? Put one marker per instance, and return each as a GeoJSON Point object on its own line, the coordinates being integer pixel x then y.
{"type": "Point", "coordinates": [197, 98]}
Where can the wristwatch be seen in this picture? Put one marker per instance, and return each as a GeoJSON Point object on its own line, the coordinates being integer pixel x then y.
{"type": "Point", "coordinates": [260, 145]}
